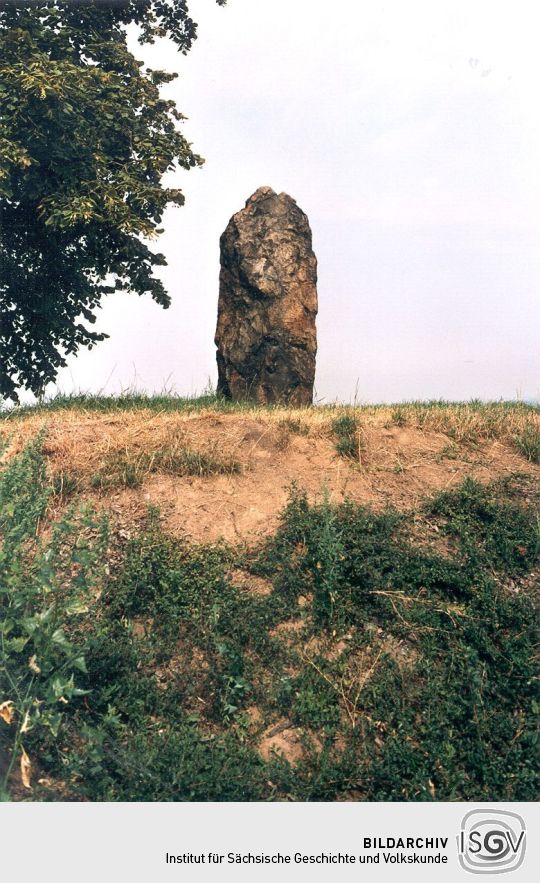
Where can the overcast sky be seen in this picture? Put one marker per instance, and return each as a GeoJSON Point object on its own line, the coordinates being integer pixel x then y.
{"type": "Point", "coordinates": [410, 134]}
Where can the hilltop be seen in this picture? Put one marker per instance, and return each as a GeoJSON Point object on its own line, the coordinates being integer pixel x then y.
{"type": "Point", "coordinates": [221, 470]}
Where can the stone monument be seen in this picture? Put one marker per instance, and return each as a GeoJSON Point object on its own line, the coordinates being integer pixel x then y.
{"type": "Point", "coordinates": [266, 337]}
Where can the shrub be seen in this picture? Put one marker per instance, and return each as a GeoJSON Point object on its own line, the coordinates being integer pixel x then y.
{"type": "Point", "coordinates": [45, 593]}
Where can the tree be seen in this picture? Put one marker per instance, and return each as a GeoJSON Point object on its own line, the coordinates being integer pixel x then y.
{"type": "Point", "coordinates": [85, 140]}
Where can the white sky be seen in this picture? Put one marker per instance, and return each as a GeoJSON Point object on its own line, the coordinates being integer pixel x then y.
{"type": "Point", "coordinates": [410, 134]}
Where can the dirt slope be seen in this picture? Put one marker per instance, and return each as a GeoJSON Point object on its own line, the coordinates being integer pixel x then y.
{"type": "Point", "coordinates": [124, 461]}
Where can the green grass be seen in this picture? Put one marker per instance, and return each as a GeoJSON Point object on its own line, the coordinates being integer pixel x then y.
{"type": "Point", "coordinates": [399, 649]}
{"type": "Point", "coordinates": [107, 404]}
{"type": "Point", "coordinates": [133, 401]}
{"type": "Point", "coordinates": [404, 412]}
{"type": "Point", "coordinates": [347, 441]}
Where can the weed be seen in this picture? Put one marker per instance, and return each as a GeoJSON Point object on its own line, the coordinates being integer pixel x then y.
{"type": "Point", "coordinates": [316, 702]}
{"type": "Point", "coordinates": [399, 416]}
{"type": "Point", "coordinates": [45, 593]}
{"type": "Point", "coordinates": [65, 484]}
{"type": "Point", "coordinates": [294, 425]}
{"type": "Point", "coordinates": [492, 532]}
{"type": "Point", "coordinates": [448, 452]}
{"type": "Point", "coordinates": [528, 443]}
{"type": "Point", "coordinates": [325, 557]}
{"type": "Point", "coordinates": [347, 441]}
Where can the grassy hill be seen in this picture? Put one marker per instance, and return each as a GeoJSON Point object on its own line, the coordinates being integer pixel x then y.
{"type": "Point", "coordinates": [202, 601]}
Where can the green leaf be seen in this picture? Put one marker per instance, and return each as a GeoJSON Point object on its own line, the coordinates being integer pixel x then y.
{"type": "Point", "coordinates": [17, 645]}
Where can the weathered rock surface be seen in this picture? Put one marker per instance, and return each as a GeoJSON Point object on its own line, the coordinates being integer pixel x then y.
{"type": "Point", "coordinates": [266, 337]}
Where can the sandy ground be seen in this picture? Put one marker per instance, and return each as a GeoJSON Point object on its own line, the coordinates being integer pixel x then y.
{"type": "Point", "coordinates": [398, 465]}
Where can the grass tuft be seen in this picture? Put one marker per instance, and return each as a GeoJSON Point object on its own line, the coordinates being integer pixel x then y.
{"type": "Point", "coordinates": [347, 440]}
{"type": "Point", "coordinates": [124, 468]}
{"type": "Point", "coordinates": [528, 443]}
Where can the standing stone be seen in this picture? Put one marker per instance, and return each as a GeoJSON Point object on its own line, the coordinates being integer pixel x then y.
{"type": "Point", "coordinates": [266, 338]}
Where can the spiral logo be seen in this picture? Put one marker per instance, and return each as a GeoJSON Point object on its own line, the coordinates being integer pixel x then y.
{"type": "Point", "coordinates": [495, 845]}
{"type": "Point", "coordinates": [491, 841]}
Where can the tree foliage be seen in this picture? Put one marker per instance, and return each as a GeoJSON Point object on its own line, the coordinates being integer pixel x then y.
{"type": "Point", "coordinates": [85, 140]}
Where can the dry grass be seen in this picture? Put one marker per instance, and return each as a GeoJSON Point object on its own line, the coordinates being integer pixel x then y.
{"type": "Point", "coordinates": [470, 423]}
{"type": "Point", "coordinates": [464, 421]}
{"type": "Point", "coordinates": [107, 451]}
{"type": "Point", "coordinates": [220, 470]}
